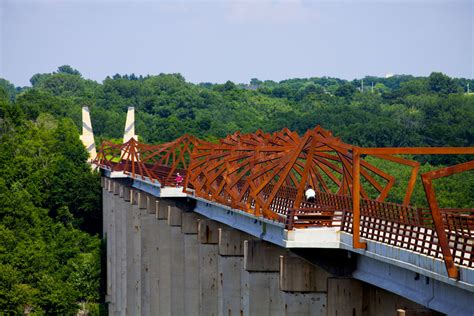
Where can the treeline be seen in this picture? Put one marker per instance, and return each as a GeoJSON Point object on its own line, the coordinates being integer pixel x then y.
{"type": "Point", "coordinates": [50, 215]}
{"type": "Point", "coordinates": [397, 111]}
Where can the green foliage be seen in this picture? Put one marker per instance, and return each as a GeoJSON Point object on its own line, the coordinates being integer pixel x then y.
{"type": "Point", "coordinates": [442, 84]}
{"type": "Point", "coordinates": [400, 111]}
{"type": "Point", "coordinates": [451, 192]}
{"type": "Point", "coordinates": [47, 192]}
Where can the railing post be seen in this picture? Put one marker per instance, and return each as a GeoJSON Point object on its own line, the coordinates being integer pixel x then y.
{"type": "Point", "coordinates": [439, 227]}
{"type": "Point", "coordinates": [356, 200]}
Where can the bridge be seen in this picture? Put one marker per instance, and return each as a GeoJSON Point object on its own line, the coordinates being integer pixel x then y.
{"type": "Point", "coordinates": [255, 239]}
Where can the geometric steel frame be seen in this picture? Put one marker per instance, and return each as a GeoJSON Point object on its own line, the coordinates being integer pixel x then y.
{"type": "Point", "coordinates": [429, 190]}
{"type": "Point", "coordinates": [132, 156]}
{"type": "Point", "coordinates": [248, 171]}
{"type": "Point", "coordinates": [427, 179]}
{"type": "Point", "coordinates": [267, 174]}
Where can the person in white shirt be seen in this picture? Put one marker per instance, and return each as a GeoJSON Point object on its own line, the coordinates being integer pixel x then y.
{"type": "Point", "coordinates": [310, 194]}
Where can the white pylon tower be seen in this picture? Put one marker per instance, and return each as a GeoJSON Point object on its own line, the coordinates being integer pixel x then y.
{"type": "Point", "coordinates": [129, 131]}
{"type": "Point", "coordinates": [87, 136]}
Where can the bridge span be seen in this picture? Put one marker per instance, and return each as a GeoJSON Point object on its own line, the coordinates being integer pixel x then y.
{"type": "Point", "coordinates": [238, 237]}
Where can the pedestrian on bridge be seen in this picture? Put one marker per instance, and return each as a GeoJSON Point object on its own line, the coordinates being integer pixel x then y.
{"type": "Point", "coordinates": [310, 194]}
{"type": "Point", "coordinates": [179, 180]}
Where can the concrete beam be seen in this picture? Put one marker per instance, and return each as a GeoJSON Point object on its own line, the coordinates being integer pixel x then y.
{"type": "Point", "coordinates": [208, 232]}
{"type": "Point", "coordinates": [109, 185]}
{"type": "Point", "coordinates": [151, 204]}
{"type": "Point", "coordinates": [261, 256]}
{"type": "Point", "coordinates": [116, 188]}
{"type": "Point", "coordinates": [134, 196]}
{"type": "Point", "coordinates": [231, 242]}
{"type": "Point", "coordinates": [127, 196]}
{"type": "Point", "coordinates": [345, 296]}
{"type": "Point", "coordinates": [174, 216]}
{"type": "Point", "coordinates": [299, 275]}
{"type": "Point", "coordinates": [142, 200]}
{"type": "Point", "coordinates": [189, 223]}
{"type": "Point", "coordinates": [163, 208]}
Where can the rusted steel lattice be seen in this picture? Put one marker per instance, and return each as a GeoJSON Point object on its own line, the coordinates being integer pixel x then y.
{"type": "Point", "coordinates": [267, 174]}
{"type": "Point", "coordinates": [155, 162]}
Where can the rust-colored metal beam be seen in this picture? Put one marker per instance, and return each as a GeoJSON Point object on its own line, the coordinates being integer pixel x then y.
{"type": "Point", "coordinates": [356, 201]}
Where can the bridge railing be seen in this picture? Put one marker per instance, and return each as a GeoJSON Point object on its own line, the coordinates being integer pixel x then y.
{"type": "Point", "coordinates": [393, 224]}
{"type": "Point", "coordinates": [318, 216]}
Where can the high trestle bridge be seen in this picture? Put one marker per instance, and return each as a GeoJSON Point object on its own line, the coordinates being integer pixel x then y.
{"type": "Point", "coordinates": [263, 176]}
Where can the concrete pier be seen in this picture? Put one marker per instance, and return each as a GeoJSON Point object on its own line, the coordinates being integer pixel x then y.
{"type": "Point", "coordinates": [260, 279]}
{"type": "Point", "coordinates": [136, 308]}
{"type": "Point", "coordinates": [230, 268]}
{"type": "Point", "coordinates": [208, 239]}
{"type": "Point", "coordinates": [124, 208]}
{"type": "Point", "coordinates": [165, 259]}
{"type": "Point", "coordinates": [191, 260]}
{"type": "Point", "coordinates": [177, 260]}
{"type": "Point", "coordinates": [150, 225]}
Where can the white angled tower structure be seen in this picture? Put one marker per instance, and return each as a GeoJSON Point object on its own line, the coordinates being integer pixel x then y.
{"type": "Point", "coordinates": [129, 131]}
{"type": "Point", "coordinates": [87, 136]}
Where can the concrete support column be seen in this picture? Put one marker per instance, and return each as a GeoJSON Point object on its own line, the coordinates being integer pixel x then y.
{"type": "Point", "coordinates": [345, 296]}
{"type": "Point", "coordinates": [260, 287]}
{"type": "Point", "coordinates": [111, 246]}
{"type": "Point", "coordinates": [230, 267]}
{"type": "Point", "coordinates": [152, 245]}
{"type": "Point", "coordinates": [136, 309]}
{"type": "Point", "coordinates": [304, 286]}
{"type": "Point", "coordinates": [164, 259]}
{"type": "Point", "coordinates": [177, 260]}
{"type": "Point", "coordinates": [108, 220]}
{"type": "Point", "coordinates": [208, 238]}
{"type": "Point", "coordinates": [124, 209]}
{"type": "Point", "coordinates": [146, 222]}
{"type": "Point", "coordinates": [189, 229]}
{"type": "Point", "coordinates": [117, 239]}
{"type": "Point", "coordinates": [130, 276]}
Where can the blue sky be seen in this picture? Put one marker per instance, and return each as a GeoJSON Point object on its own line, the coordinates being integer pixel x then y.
{"type": "Point", "coordinates": [216, 41]}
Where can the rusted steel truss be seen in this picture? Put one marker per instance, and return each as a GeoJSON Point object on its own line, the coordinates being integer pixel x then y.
{"type": "Point", "coordinates": [153, 162]}
{"type": "Point", "coordinates": [267, 175]}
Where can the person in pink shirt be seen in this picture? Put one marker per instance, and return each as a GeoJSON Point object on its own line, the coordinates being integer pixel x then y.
{"type": "Point", "coordinates": [179, 180]}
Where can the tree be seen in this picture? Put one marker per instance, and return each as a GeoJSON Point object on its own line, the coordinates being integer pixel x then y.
{"type": "Point", "coordinates": [347, 90]}
{"type": "Point", "coordinates": [66, 69]}
{"type": "Point", "coordinates": [442, 84]}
